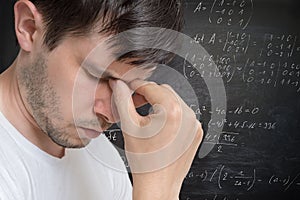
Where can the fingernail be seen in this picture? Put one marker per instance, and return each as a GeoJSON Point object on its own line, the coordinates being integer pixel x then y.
{"type": "Point", "coordinates": [119, 86]}
{"type": "Point", "coordinates": [112, 83]}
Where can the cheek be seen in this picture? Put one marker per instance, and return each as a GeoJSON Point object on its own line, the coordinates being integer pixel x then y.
{"type": "Point", "coordinates": [62, 76]}
{"type": "Point", "coordinates": [83, 95]}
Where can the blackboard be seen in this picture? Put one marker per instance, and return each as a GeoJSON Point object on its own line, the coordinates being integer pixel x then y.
{"type": "Point", "coordinates": [8, 47]}
{"type": "Point", "coordinates": [255, 45]}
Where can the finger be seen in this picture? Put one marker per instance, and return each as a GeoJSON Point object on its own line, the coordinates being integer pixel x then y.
{"type": "Point", "coordinates": [133, 124]}
{"type": "Point", "coordinates": [123, 101]}
{"type": "Point", "coordinates": [152, 92]}
{"type": "Point", "coordinates": [138, 100]}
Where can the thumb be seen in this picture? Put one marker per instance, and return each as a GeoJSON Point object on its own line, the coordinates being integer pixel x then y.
{"type": "Point", "coordinates": [121, 98]}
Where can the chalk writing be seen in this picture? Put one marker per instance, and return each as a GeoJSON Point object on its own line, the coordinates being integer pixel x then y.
{"type": "Point", "coordinates": [230, 13]}
{"type": "Point", "coordinates": [243, 179]}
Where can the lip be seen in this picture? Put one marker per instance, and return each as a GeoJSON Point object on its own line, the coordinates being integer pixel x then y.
{"type": "Point", "coordinates": [90, 133]}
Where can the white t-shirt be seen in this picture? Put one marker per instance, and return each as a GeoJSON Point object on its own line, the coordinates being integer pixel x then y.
{"type": "Point", "coordinates": [95, 172]}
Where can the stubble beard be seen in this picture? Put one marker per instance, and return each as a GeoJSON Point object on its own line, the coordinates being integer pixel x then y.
{"type": "Point", "coordinates": [44, 103]}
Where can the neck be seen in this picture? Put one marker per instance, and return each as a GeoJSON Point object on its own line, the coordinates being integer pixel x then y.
{"type": "Point", "coordinates": [14, 108]}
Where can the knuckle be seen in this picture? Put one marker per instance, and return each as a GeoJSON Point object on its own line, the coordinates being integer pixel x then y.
{"type": "Point", "coordinates": [199, 134]}
{"type": "Point", "coordinates": [174, 111]}
{"type": "Point", "coordinates": [191, 114]}
{"type": "Point", "coordinates": [168, 87]}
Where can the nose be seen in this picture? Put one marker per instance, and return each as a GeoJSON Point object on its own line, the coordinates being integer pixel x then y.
{"type": "Point", "coordinates": [103, 106]}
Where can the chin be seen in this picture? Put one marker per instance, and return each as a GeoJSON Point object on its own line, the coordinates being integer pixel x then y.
{"type": "Point", "coordinates": [78, 146]}
{"type": "Point", "coordinates": [75, 143]}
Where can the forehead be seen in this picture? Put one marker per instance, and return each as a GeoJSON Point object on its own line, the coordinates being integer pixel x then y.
{"type": "Point", "coordinates": [94, 54]}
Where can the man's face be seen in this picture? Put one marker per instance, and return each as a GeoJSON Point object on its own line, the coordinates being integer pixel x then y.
{"type": "Point", "coordinates": [63, 91]}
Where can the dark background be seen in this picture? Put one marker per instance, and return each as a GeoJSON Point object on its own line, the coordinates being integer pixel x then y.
{"type": "Point", "coordinates": [8, 45]}
{"type": "Point", "coordinates": [256, 48]}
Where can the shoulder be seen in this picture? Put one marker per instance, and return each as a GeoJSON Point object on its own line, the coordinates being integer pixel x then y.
{"type": "Point", "coordinates": [10, 170]}
{"type": "Point", "coordinates": [14, 176]}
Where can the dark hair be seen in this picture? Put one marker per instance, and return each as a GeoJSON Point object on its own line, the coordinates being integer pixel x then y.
{"type": "Point", "coordinates": [109, 17]}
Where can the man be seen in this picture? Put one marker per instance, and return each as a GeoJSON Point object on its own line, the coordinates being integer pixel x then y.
{"type": "Point", "coordinates": [50, 110]}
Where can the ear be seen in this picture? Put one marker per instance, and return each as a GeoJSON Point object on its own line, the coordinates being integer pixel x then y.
{"type": "Point", "coordinates": [28, 24]}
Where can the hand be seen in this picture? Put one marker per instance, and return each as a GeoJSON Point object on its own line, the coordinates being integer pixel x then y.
{"type": "Point", "coordinates": [160, 147]}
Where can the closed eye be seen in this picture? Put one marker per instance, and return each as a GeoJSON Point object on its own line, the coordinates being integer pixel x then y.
{"type": "Point", "coordinates": [107, 78]}
{"type": "Point", "coordinates": [102, 75]}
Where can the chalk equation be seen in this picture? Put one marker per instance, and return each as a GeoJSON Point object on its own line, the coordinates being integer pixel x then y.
{"type": "Point", "coordinates": [271, 61]}
{"type": "Point", "coordinates": [243, 179]}
{"type": "Point", "coordinates": [226, 12]}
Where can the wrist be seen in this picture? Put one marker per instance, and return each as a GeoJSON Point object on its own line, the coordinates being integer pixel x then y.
{"type": "Point", "coordinates": [154, 195]}
{"type": "Point", "coordinates": [154, 191]}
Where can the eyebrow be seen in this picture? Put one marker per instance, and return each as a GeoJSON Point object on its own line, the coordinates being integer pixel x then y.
{"type": "Point", "coordinates": [95, 70]}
